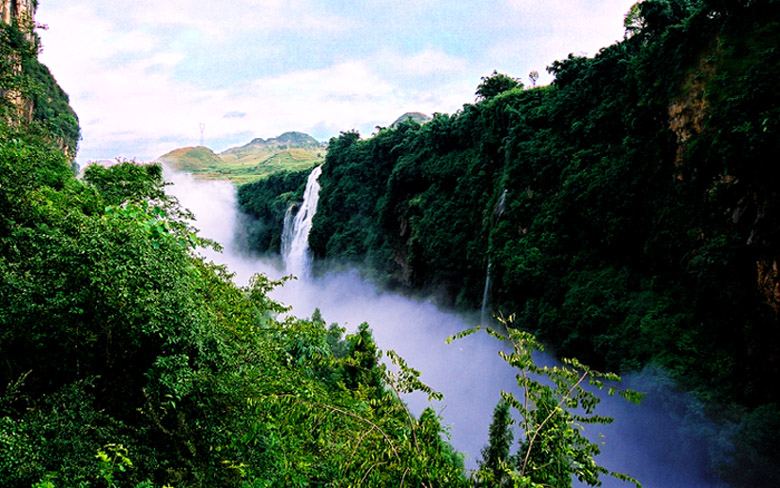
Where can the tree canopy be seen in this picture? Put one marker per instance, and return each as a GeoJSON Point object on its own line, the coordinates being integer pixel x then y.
{"type": "Point", "coordinates": [627, 212]}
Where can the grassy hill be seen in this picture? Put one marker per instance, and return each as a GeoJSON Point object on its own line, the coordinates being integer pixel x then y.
{"type": "Point", "coordinates": [418, 117]}
{"type": "Point", "coordinates": [291, 151]}
{"type": "Point", "coordinates": [194, 160]}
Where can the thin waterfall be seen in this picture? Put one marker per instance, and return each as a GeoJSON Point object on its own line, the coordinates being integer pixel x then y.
{"type": "Point", "coordinates": [288, 228]}
{"type": "Point", "coordinates": [484, 315]}
{"type": "Point", "coordinates": [501, 204]}
{"type": "Point", "coordinates": [295, 235]}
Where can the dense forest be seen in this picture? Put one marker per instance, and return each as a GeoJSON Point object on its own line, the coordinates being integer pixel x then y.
{"type": "Point", "coordinates": [627, 213]}
{"type": "Point", "coordinates": [128, 360]}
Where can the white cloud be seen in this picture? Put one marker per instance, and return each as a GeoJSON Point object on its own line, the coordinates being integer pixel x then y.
{"type": "Point", "coordinates": [142, 75]}
{"type": "Point", "coordinates": [222, 20]}
{"type": "Point", "coordinates": [432, 60]}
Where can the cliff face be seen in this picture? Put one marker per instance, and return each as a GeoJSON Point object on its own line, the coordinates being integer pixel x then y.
{"type": "Point", "coordinates": [21, 11]}
{"type": "Point", "coordinates": [687, 112]}
{"type": "Point", "coordinates": [28, 91]}
{"type": "Point", "coordinates": [728, 72]}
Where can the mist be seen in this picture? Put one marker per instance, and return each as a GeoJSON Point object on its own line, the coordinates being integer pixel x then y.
{"type": "Point", "coordinates": [654, 442]}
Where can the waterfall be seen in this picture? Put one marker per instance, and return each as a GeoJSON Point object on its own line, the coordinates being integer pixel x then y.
{"type": "Point", "coordinates": [484, 315]}
{"type": "Point", "coordinates": [652, 442]}
{"type": "Point", "coordinates": [288, 229]}
{"type": "Point", "coordinates": [501, 204]}
{"type": "Point", "coordinates": [295, 235]}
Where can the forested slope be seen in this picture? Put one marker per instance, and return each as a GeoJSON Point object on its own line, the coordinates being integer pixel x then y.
{"type": "Point", "coordinates": [628, 212]}
{"type": "Point", "coordinates": [127, 360]}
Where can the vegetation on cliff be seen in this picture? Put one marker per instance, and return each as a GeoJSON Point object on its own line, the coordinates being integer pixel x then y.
{"type": "Point", "coordinates": [28, 92]}
{"type": "Point", "coordinates": [128, 360]}
{"type": "Point", "coordinates": [628, 212]}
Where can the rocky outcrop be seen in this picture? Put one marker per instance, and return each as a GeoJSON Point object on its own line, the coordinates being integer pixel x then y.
{"type": "Point", "coordinates": [687, 111]}
{"type": "Point", "coordinates": [769, 282]}
{"type": "Point", "coordinates": [21, 11]}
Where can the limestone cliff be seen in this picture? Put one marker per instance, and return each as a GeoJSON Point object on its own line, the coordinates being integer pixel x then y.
{"type": "Point", "coordinates": [21, 11]}
{"type": "Point", "coordinates": [747, 198]}
{"type": "Point", "coordinates": [28, 91]}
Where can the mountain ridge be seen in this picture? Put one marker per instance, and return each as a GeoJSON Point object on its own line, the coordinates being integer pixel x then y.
{"type": "Point", "coordinates": [290, 151]}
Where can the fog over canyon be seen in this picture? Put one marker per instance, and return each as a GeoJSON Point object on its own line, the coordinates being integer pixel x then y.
{"type": "Point", "coordinates": [654, 442]}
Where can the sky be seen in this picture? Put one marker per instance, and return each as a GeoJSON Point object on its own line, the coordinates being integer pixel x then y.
{"type": "Point", "coordinates": [144, 76]}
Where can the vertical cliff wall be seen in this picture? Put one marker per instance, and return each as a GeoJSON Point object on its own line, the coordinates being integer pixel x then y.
{"type": "Point", "coordinates": [20, 15]}
{"type": "Point", "coordinates": [28, 91]}
{"type": "Point", "coordinates": [21, 11]}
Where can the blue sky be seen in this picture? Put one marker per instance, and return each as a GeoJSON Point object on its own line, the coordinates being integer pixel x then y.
{"type": "Point", "coordinates": [143, 75]}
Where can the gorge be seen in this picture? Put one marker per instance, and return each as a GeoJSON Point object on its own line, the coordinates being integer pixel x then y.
{"type": "Point", "coordinates": [660, 442]}
{"type": "Point", "coordinates": [640, 220]}
{"type": "Point", "coordinates": [625, 215]}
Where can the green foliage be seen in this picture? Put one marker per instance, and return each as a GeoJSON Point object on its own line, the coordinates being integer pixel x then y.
{"type": "Point", "coordinates": [268, 201]}
{"type": "Point", "coordinates": [495, 455]}
{"type": "Point", "coordinates": [117, 339]}
{"type": "Point", "coordinates": [496, 84]}
{"type": "Point", "coordinates": [640, 213]}
{"type": "Point", "coordinates": [551, 414]}
{"type": "Point", "coordinates": [126, 181]}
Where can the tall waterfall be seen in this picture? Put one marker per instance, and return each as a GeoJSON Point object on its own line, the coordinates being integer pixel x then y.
{"type": "Point", "coordinates": [484, 314]}
{"type": "Point", "coordinates": [295, 235]}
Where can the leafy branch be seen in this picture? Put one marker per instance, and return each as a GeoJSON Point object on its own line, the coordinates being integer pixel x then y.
{"type": "Point", "coordinates": [554, 406]}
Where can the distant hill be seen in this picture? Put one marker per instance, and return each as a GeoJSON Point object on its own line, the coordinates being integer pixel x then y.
{"type": "Point", "coordinates": [291, 151]}
{"type": "Point", "coordinates": [418, 117]}
{"type": "Point", "coordinates": [262, 149]}
{"type": "Point", "coordinates": [191, 159]}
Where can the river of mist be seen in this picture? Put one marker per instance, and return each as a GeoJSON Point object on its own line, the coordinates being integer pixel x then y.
{"type": "Point", "coordinates": [653, 442]}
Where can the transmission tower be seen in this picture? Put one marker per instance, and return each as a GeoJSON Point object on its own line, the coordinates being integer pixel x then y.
{"type": "Point", "coordinates": [202, 128]}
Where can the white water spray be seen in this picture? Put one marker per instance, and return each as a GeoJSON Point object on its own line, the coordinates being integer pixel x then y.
{"type": "Point", "coordinates": [295, 235]}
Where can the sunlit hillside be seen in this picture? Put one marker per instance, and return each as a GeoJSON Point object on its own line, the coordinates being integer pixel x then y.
{"type": "Point", "coordinates": [291, 151]}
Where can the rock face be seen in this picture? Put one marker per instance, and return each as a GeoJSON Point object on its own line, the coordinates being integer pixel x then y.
{"type": "Point", "coordinates": [687, 112]}
{"type": "Point", "coordinates": [20, 10]}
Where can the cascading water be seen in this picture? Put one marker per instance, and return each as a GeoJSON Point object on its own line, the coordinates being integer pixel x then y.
{"type": "Point", "coordinates": [295, 235]}
{"type": "Point", "coordinates": [484, 314]}
{"type": "Point", "coordinates": [288, 228]}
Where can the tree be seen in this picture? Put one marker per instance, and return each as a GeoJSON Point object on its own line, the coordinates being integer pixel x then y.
{"type": "Point", "coordinates": [496, 84]}
{"type": "Point", "coordinates": [633, 22]}
{"type": "Point", "coordinates": [551, 414]}
{"type": "Point", "coordinates": [495, 456]}
{"type": "Point", "coordinates": [533, 76]}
